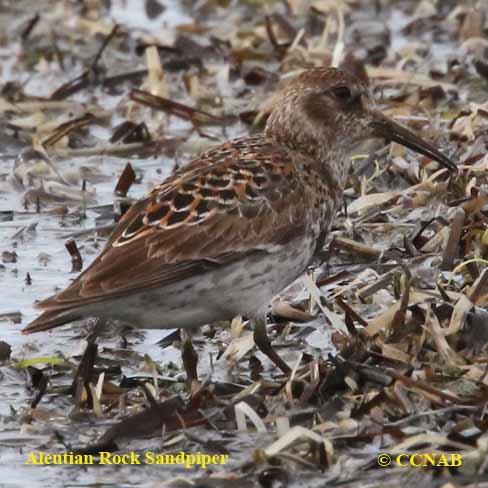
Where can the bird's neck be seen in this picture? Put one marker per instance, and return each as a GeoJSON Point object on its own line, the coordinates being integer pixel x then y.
{"type": "Point", "coordinates": [330, 159]}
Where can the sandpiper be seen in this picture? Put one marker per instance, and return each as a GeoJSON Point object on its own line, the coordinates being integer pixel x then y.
{"type": "Point", "coordinates": [227, 232]}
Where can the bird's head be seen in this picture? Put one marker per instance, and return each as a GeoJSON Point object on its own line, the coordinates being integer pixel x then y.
{"type": "Point", "coordinates": [326, 112]}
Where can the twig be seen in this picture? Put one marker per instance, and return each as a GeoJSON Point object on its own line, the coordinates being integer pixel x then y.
{"type": "Point", "coordinates": [76, 261]}
{"type": "Point", "coordinates": [171, 107]}
{"type": "Point", "coordinates": [104, 45]}
{"type": "Point", "coordinates": [126, 179]}
{"type": "Point", "coordinates": [67, 127]}
{"type": "Point", "coordinates": [440, 411]}
{"type": "Point", "coordinates": [88, 77]}
{"type": "Point", "coordinates": [30, 27]}
{"type": "Point", "coordinates": [451, 250]}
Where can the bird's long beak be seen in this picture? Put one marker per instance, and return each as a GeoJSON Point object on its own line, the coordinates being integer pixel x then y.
{"type": "Point", "coordinates": [384, 127]}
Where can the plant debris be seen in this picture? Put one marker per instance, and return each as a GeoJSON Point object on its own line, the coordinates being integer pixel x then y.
{"type": "Point", "coordinates": [386, 336]}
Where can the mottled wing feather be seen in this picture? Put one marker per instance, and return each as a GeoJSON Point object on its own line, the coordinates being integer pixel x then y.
{"type": "Point", "coordinates": [226, 204]}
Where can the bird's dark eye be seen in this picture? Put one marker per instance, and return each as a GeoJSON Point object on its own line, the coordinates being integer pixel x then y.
{"type": "Point", "coordinates": [342, 94]}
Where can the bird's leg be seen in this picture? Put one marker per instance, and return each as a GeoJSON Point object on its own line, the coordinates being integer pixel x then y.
{"type": "Point", "coordinates": [261, 340]}
{"type": "Point", "coordinates": [189, 356]}
{"type": "Point", "coordinates": [97, 329]}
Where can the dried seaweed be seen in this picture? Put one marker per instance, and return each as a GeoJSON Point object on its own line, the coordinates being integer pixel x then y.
{"type": "Point", "coordinates": [386, 338]}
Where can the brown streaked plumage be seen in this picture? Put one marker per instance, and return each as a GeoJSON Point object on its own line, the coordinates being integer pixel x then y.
{"type": "Point", "coordinates": [230, 230]}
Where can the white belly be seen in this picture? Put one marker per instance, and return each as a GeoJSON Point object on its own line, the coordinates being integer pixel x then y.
{"type": "Point", "coordinates": [242, 288]}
